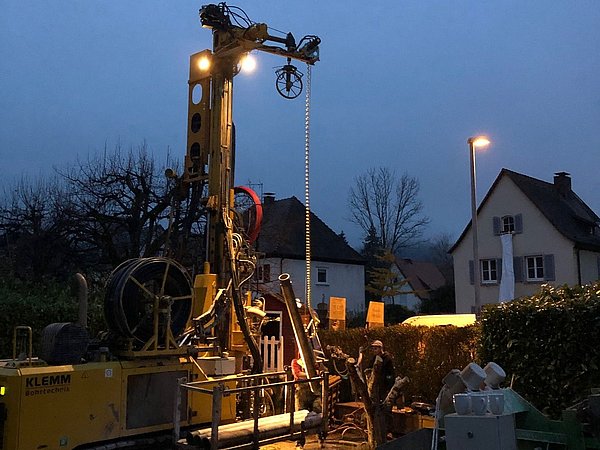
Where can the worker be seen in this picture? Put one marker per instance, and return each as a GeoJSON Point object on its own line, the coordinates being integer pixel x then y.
{"type": "Point", "coordinates": [387, 373]}
{"type": "Point", "coordinates": [305, 398]}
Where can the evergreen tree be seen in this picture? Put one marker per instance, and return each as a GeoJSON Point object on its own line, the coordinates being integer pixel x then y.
{"type": "Point", "coordinates": [383, 280]}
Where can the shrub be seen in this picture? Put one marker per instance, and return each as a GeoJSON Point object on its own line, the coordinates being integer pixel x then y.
{"type": "Point", "coordinates": [549, 344]}
{"type": "Point", "coordinates": [37, 305]}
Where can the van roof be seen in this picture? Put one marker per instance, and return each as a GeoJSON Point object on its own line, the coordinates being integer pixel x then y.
{"type": "Point", "coordinates": [458, 320]}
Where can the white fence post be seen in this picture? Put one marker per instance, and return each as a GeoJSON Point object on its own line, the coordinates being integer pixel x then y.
{"type": "Point", "coordinates": [272, 354]}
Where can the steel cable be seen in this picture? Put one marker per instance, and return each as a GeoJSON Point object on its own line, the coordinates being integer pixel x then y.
{"type": "Point", "coordinates": [307, 288]}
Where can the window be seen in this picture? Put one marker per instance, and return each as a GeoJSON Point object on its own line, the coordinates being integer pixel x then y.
{"type": "Point", "coordinates": [535, 268]}
{"type": "Point", "coordinates": [508, 224]}
{"type": "Point", "coordinates": [264, 273]}
{"type": "Point", "coordinates": [322, 275]}
{"type": "Point", "coordinates": [489, 271]}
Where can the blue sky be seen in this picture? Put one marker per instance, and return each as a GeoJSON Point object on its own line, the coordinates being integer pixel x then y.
{"type": "Point", "coordinates": [400, 83]}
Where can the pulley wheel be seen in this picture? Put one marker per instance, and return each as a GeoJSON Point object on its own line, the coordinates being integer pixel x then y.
{"type": "Point", "coordinates": [136, 287]}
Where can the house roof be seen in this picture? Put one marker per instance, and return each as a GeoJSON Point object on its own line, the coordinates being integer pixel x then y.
{"type": "Point", "coordinates": [422, 276]}
{"type": "Point", "coordinates": [282, 235]}
{"type": "Point", "coordinates": [563, 208]}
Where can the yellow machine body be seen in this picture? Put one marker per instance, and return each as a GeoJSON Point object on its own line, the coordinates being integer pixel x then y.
{"type": "Point", "coordinates": [62, 407]}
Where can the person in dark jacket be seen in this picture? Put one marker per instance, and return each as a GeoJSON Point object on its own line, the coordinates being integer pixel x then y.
{"type": "Point", "coordinates": [387, 373]}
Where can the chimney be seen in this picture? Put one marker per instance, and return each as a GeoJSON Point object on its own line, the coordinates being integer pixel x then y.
{"type": "Point", "coordinates": [268, 198]}
{"type": "Point", "coordinates": [562, 182]}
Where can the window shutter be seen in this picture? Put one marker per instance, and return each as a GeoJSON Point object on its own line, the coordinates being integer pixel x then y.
{"type": "Point", "coordinates": [497, 225]}
{"type": "Point", "coordinates": [519, 223]}
{"type": "Point", "coordinates": [518, 269]}
{"type": "Point", "coordinates": [471, 272]}
{"type": "Point", "coordinates": [549, 268]}
{"type": "Point", "coordinates": [499, 269]}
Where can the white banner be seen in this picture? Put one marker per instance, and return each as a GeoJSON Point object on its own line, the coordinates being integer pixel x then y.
{"type": "Point", "coordinates": [507, 281]}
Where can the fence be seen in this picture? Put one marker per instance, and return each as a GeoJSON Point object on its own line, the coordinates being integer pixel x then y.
{"type": "Point", "coordinates": [271, 350]}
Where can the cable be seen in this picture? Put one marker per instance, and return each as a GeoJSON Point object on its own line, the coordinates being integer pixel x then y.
{"type": "Point", "coordinates": [307, 186]}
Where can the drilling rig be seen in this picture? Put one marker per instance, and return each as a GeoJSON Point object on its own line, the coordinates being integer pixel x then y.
{"type": "Point", "coordinates": [164, 326]}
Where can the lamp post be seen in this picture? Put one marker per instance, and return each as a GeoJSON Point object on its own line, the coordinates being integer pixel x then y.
{"type": "Point", "coordinates": [474, 143]}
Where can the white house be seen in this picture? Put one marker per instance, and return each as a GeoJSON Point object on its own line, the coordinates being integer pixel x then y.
{"type": "Point", "coordinates": [421, 278]}
{"type": "Point", "coordinates": [337, 270]}
{"type": "Point", "coordinates": [535, 232]}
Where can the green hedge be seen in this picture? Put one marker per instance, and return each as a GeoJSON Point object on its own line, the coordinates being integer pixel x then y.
{"type": "Point", "coordinates": [548, 343]}
{"type": "Point", "coordinates": [37, 305]}
{"type": "Point", "coordinates": [423, 354]}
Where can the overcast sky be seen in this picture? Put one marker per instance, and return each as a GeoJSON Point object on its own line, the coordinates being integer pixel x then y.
{"type": "Point", "coordinates": [400, 83]}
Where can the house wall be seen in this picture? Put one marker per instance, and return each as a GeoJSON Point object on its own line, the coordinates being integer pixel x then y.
{"type": "Point", "coordinates": [590, 266]}
{"type": "Point", "coordinates": [343, 280]}
{"type": "Point", "coordinates": [407, 299]}
{"type": "Point", "coordinates": [539, 237]}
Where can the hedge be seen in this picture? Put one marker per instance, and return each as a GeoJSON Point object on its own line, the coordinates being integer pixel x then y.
{"type": "Point", "coordinates": [38, 305]}
{"type": "Point", "coordinates": [549, 344]}
{"type": "Point", "coordinates": [423, 354]}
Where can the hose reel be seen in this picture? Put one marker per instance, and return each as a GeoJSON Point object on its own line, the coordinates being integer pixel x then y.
{"type": "Point", "coordinates": [145, 296]}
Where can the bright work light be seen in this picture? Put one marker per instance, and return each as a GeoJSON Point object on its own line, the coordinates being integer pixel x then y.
{"type": "Point", "coordinates": [248, 63]}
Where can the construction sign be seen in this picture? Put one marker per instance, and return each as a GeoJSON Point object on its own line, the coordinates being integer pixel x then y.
{"type": "Point", "coordinates": [337, 313]}
{"type": "Point", "coordinates": [375, 315]}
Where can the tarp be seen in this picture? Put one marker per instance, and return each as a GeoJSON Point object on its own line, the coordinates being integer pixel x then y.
{"type": "Point", "coordinates": [507, 280]}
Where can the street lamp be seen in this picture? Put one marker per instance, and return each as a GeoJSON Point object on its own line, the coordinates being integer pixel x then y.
{"type": "Point", "coordinates": [474, 143]}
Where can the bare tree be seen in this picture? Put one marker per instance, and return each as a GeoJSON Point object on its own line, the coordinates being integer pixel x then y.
{"type": "Point", "coordinates": [390, 205]}
{"type": "Point", "coordinates": [440, 245]}
{"type": "Point", "coordinates": [34, 241]}
{"type": "Point", "coordinates": [122, 206]}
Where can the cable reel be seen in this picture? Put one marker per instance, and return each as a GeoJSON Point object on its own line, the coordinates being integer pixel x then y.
{"type": "Point", "coordinates": [147, 298]}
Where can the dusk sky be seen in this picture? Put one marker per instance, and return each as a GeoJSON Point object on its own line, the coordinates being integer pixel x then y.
{"type": "Point", "coordinates": [401, 84]}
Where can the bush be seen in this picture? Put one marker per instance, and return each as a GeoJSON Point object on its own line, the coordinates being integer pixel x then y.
{"type": "Point", "coordinates": [549, 343]}
{"type": "Point", "coordinates": [37, 305]}
{"type": "Point", "coordinates": [423, 354]}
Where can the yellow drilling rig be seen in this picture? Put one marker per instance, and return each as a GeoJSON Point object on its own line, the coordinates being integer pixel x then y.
{"type": "Point", "coordinates": [164, 327]}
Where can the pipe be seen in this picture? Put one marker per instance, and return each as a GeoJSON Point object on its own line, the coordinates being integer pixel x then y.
{"type": "Point", "coordinates": [304, 347]}
{"type": "Point", "coordinates": [82, 297]}
{"type": "Point", "coordinates": [242, 432]}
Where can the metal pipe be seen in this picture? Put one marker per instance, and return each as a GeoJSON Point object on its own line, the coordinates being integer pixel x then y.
{"type": "Point", "coordinates": [325, 403]}
{"type": "Point", "coordinates": [304, 347]}
{"type": "Point", "coordinates": [82, 298]}
{"type": "Point", "coordinates": [242, 432]}
{"type": "Point", "coordinates": [216, 416]}
{"type": "Point", "coordinates": [177, 409]}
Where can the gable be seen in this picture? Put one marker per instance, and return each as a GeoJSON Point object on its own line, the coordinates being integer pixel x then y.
{"type": "Point", "coordinates": [422, 276]}
{"type": "Point", "coordinates": [565, 213]}
{"type": "Point", "coordinates": [282, 235]}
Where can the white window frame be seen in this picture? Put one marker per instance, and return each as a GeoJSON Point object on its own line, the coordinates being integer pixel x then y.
{"type": "Point", "coordinates": [321, 270]}
{"type": "Point", "coordinates": [535, 263]}
{"type": "Point", "coordinates": [507, 224]}
{"type": "Point", "coordinates": [489, 271]}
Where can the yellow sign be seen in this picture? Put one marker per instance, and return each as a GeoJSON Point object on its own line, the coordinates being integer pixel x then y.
{"type": "Point", "coordinates": [337, 308]}
{"type": "Point", "coordinates": [375, 314]}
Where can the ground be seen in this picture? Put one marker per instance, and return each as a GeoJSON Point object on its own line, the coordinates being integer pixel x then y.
{"type": "Point", "coordinates": [333, 441]}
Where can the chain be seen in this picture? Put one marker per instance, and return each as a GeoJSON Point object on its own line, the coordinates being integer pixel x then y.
{"type": "Point", "coordinates": [307, 186]}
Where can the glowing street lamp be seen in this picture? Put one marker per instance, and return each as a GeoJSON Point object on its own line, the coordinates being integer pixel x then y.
{"type": "Point", "coordinates": [474, 143]}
